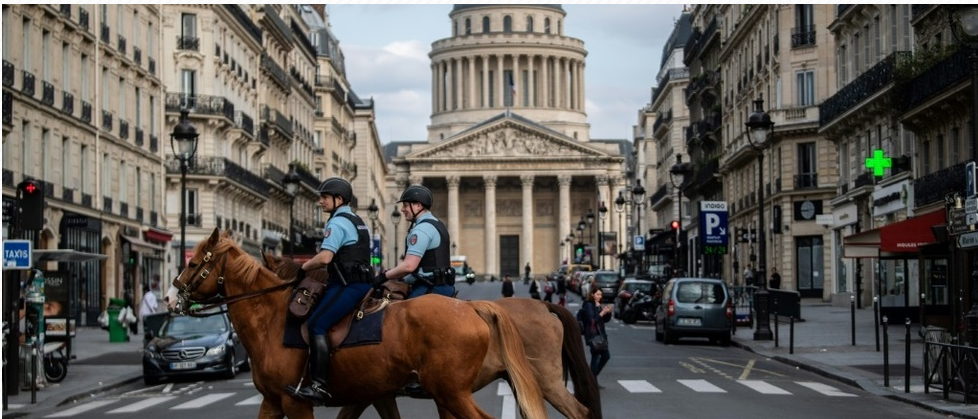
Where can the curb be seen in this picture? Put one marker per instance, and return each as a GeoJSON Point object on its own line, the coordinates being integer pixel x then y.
{"type": "Point", "coordinates": [110, 386]}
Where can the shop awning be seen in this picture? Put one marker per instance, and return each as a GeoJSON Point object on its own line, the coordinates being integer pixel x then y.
{"type": "Point", "coordinates": [908, 235]}
{"type": "Point", "coordinates": [65, 255]}
{"type": "Point", "coordinates": [865, 244]}
{"type": "Point", "coordinates": [142, 246]}
{"type": "Point", "coordinates": [158, 235]}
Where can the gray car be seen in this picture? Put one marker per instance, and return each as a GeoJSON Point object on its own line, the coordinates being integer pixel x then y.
{"type": "Point", "coordinates": [695, 307]}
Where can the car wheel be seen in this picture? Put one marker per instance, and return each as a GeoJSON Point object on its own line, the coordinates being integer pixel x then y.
{"type": "Point", "coordinates": [629, 317]}
{"type": "Point", "coordinates": [724, 339]}
{"type": "Point", "coordinates": [669, 337]}
{"type": "Point", "coordinates": [232, 367]}
{"type": "Point", "coordinates": [658, 332]}
{"type": "Point", "coordinates": [246, 365]}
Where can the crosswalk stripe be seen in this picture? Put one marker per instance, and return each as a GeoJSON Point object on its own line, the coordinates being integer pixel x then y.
{"type": "Point", "coordinates": [509, 401]}
{"type": "Point", "coordinates": [81, 409]}
{"type": "Point", "coordinates": [825, 389]}
{"type": "Point", "coordinates": [253, 400]}
{"type": "Point", "coordinates": [202, 401]}
{"type": "Point", "coordinates": [143, 404]}
{"type": "Point", "coordinates": [639, 386]}
{"type": "Point", "coordinates": [763, 387]}
{"type": "Point", "coordinates": [701, 386]}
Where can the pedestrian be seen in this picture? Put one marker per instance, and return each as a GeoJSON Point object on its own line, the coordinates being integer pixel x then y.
{"type": "Point", "coordinates": [594, 316]}
{"type": "Point", "coordinates": [561, 290]}
{"type": "Point", "coordinates": [749, 275]}
{"type": "Point", "coordinates": [508, 286]}
{"type": "Point", "coordinates": [548, 290]}
{"type": "Point", "coordinates": [345, 253]}
{"type": "Point", "coordinates": [535, 290]}
{"type": "Point", "coordinates": [427, 262]}
{"type": "Point", "coordinates": [775, 282]}
{"type": "Point", "coordinates": [149, 305]}
{"type": "Point", "coordinates": [526, 272]}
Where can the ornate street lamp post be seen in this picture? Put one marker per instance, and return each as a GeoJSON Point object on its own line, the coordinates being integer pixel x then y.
{"type": "Point", "coordinates": [638, 200]}
{"type": "Point", "coordinates": [183, 141]}
{"type": "Point", "coordinates": [679, 174]}
{"type": "Point", "coordinates": [395, 220]}
{"type": "Point", "coordinates": [620, 209]}
{"type": "Point", "coordinates": [602, 215]}
{"type": "Point", "coordinates": [291, 182]}
{"type": "Point", "coordinates": [759, 126]}
{"type": "Point", "coordinates": [372, 212]}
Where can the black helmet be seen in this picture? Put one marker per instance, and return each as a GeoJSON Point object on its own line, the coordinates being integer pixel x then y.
{"type": "Point", "coordinates": [417, 193]}
{"type": "Point", "coordinates": [337, 187]}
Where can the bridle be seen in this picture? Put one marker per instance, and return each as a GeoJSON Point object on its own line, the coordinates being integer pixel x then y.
{"type": "Point", "coordinates": [200, 273]}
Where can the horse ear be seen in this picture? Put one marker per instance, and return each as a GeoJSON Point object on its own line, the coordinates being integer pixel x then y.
{"type": "Point", "coordinates": [267, 258]}
{"type": "Point", "coordinates": [215, 235]}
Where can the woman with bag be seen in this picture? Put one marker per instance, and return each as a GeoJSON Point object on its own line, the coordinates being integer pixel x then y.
{"type": "Point", "coordinates": [595, 316]}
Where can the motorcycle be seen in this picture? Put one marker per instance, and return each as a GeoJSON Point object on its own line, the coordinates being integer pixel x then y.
{"type": "Point", "coordinates": [55, 361]}
{"type": "Point", "coordinates": [641, 306]}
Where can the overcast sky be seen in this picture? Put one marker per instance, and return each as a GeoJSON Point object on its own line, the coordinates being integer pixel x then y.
{"type": "Point", "coordinates": [386, 49]}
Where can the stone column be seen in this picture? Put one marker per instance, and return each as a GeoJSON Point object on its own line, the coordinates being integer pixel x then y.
{"type": "Point", "coordinates": [434, 88]}
{"type": "Point", "coordinates": [500, 81]}
{"type": "Point", "coordinates": [527, 240]}
{"type": "Point", "coordinates": [458, 83]}
{"type": "Point", "coordinates": [470, 101]}
{"type": "Point", "coordinates": [485, 81]}
{"type": "Point", "coordinates": [545, 85]}
{"type": "Point", "coordinates": [492, 253]}
{"type": "Point", "coordinates": [453, 219]}
{"type": "Point", "coordinates": [516, 78]}
{"type": "Point", "coordinates": [449, 85]}
{"type": "Point", "coordinates": [580, 77]}
{"type": "Point", "coordinates": [441, 86]}
{"type": "Point", "coordinates": [531, 84]}
{"type": "Point", "coordinates": [563, 184]}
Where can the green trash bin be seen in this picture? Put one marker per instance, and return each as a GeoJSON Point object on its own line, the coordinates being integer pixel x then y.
{"type": "Point", "coordinates": [117, 331]}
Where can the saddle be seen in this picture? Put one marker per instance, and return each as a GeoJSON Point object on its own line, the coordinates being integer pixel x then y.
{"type": "Point", "coordinates": [339, 335]}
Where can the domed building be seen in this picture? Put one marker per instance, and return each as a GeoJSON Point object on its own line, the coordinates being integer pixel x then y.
{"type": "Point", "coordinates": [509, 156]}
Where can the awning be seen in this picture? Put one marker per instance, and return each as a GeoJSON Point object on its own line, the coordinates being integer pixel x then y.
{"type": "Point", "coordinates": [65, 255]}
{"type": "Point", "coordinates": [865, 244]}
{"type": "Point", "coordinates": [142, 246]}
{"type": "Point", "coordinates": [158, 235]}
{"type": "Point", "coordinates": [908, 235]}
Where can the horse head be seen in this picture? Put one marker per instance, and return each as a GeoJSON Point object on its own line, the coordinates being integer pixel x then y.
{"type": "Point", "coordinates": [202, 280]}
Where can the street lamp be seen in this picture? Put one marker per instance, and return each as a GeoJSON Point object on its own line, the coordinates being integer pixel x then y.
{"type": "Point", "coordinates": [581, 225]}
{"type": "Point", "coordinates": [759, 125]}
{"type": "Point", "coordinates": [395, 219]}
{"type": "Point", "coordinates": [679, 174]}
{"type": "Point", "coordinates": [620, 209]}
{"type": "Point", "coordinates": [638, 200]}
{"type": "Point", "coordinates": [183, 142]}
{"type": "Point", "coordinates": [590, 223]}
{"type": "Point", "coordinates": [373, 211]}
{"type": "Point", "coordinates": [291, 182]}
{"type": "Point", "coordinates": [603, 215]}
{"type": "Point", "coordinates": [454, 246]}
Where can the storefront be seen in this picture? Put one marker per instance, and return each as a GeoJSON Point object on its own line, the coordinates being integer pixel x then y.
{"type": "Point", "coordinates": [83, 234]}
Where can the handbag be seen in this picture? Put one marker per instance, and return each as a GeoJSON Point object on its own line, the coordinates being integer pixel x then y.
{"type": "Point", "coordinates": [598, 342]}
{"type": "Point", "coordinates": [305, 297]}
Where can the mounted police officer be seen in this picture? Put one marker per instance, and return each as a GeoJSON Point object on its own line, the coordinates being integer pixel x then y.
{"type": "Point", "coordinates": [345, 253]}
{"type": "Point", "coordinates": [427, 261]}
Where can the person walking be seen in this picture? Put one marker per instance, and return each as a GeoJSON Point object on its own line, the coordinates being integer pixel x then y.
{"type": "Point", "coordinates": [536, 287]}
{"type": "Point", "coordinates": [548, 290]}
{"type": "Point", "coordinates": [561, 290]}
{"type": "Point", "coordinates": [749, 275]}
{"type": "Point", "coordinates": [508, 286]}
{"type": "Point", "coordinates": [345, 253]}
{"type": "Point", "coordinates": [594, 316]}
{"type": "Point", "coordinates": [775, 282]}
{"type": "Point", "coordinates": [526, 272]}
{"type": "Point", "coordinates": [149, 305]}
{"type": "Point", "coordinates": [427, 262]}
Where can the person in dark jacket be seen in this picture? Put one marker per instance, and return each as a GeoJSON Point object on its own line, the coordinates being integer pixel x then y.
{"type": "Point", "coordinates": [775, 282]}
{"type": "Point", "coordinates": [508, 286]}
{"type": "Point", "coordinates": [594, 318]}
{"type": "Point", "coordinates": [562, 290]}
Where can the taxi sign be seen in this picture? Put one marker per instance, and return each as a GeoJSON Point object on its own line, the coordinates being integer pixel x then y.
{"type": "Point", "coordinates": [17, 254]}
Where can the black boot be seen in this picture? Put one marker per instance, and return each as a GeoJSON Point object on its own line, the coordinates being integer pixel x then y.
{"type": "Point", "coordinates": [319, 352]}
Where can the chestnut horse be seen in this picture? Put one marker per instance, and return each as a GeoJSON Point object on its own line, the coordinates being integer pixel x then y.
{"type": "Point", "coordinates": [422, 339]}
{"type": "Point", "coordinates": [551, 338]}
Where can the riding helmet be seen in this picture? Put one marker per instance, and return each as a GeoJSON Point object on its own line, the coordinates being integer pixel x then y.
{"type": "Point", "coordinates": [417, 193]}
{"type": "Point", "coordinates": [337, 187]}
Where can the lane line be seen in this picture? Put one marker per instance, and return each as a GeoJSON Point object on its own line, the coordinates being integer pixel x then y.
{"type": "Point", "coordinates": [747, 368]}
{"type": "Point", "coordinates": [202, 401]}
{"type": "Point", "coordinates": [763, 387]}
{"type": "Point", "coordinates": [509, 401]}
{"type": "Point", "coordinates": [253, 400]}
{"type": "Point", "coordinates": [81, 409]}
{"type": "Point", "coordinates": [701, 386]}
{"type": "Point", "coordinates": [143, 404]}
{"type": "Point", "coordinates": [825, 389]}
{"type": "Point", "coordinates": [639, 386]}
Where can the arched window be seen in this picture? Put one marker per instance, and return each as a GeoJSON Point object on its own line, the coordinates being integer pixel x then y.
{"type": "Point", "coordinates": [529, 24]}
{"type": "Point", "coordinates": [485, 24]}
{"type": "Point", "coordinates": [546, 26]}
{"type": "Point", "coordinates": [468, 26]}
{"type": "Point", "coordinates": [507, 24]}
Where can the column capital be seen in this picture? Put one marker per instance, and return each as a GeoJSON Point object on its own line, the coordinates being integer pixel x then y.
{"type": "Point", "coordinates": [490, 181]}
{"type": "Point", "coordinates": [402, 184]}
{"type": "Point", "coordinates": [527, 181]}
{"type": "Point", "coordinates": [416, 180]}
{"type": "Point", "coordinates": [453, 181]}
{"type": "Point", "coordinates": [564, 180]}
{"type": "Point", "coordinates": [602, 180]}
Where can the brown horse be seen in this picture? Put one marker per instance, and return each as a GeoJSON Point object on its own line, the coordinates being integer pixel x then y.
{"type": "Point", "coordinates": [422, 340]}
{"type": "Point", "coordinates": [552, 340]}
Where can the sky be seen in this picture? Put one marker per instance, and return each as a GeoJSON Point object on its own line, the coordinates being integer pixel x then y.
{"type": "Point", "coordinates": [386, 49]}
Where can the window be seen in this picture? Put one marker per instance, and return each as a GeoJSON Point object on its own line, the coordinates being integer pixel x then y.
{"type": "Point", "coordinates": [188, 25]}
{"type": "Point", "coordinates": [926, 153]}
{"type": "Point", "coordinates": [46, 56]}
{"type": "Point", "coordinates": [507, 24]}
{"type": "Point", "coordinates": [844, 163]}
{"type": "Point", "coordinates": [805, 83]}
{"type": "Point", "coordinates": [122, 99]}
{"type": "Point", "coordinates": [66, 160]}
{"type": "Point", "coordinates": [188, 84]}
{"type": "Point", "coordinates": [139, 110]}
{"type": "Point", "coordinates": [152, 190]}
{"type": "Point", "coordinates": [941, 152]}
{"type": "Point", "coordinates": [6, 36]}
{"type": "Point", "coordinates": [123, 181]}
{"type": "Point", "coordinates": [139, 186]}
{"type": "Point", "coordinates": [66, 66]}
{"type": "Point", "coordinates": [866, 54]}
{"type": "Point", "coordinates": [106, 177]}
{"type": "Point", "coordinates": [119, 18]}
{"type": "Point", "coordinates": [510, 88]}
{"type": "Point", "coordinates": [191, 208]}
{"type": "Point", "coordinates": [105, 89]}
{"type": "Point", "coordinates": [85, 93]}
{"type": "Point", "coordinates": [26, 52]}
{"type": "Point", "coordinates": [529, 24]}
{"type": "Point", "coordinates": [135, 28]}
{"type": "Point", "coordinates": [485, 24]}
{"type": "Point", "coordinates": [149, 38]}
{"type": "Point", "coordinates": [807, 169]}
{"type": "Point", "coordinates": [877, 38]}
{"type": "Point", "coordinates": [25, 159]}
{"type": "Point", "coordinates": [152, 115]}
{"type": "Point", "coordinates": [45, 157]}
{"type": "Point", "coordinates": [804, 31]}
{"type": "Point", "coordinates": [468, 26]}
{"type": "Point", "coordinates": [856, 67]}
{"type": "Point", "coordinates": [85, 174]}
{"type": "Point", "coordinates": [104, 14]}
{"type": "Point", "coordinates": [546, 26]}
{"type": "Point", "coordinates": [894, 20]}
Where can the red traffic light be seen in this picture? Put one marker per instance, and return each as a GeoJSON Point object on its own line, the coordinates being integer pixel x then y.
{"type": "Point", "coordinates": [675, 224]}
{"type": "Point", "coordinates": [30, 187]}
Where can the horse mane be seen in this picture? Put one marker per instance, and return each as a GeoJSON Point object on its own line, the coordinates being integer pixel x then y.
{"type": "Point", "coordinates": [286, 268]}
{"type": "Point", "coordinates": [249, 266]}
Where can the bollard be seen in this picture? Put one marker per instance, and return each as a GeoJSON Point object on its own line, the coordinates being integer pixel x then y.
{"type": "Point", "coordinates": [776, 339]}
{"type": "Point", "coordinates": [886, 353]}
{"type": "Point", "coordinates": [852, 317]}
{"type": "Point", "coordinates": [876, 320]}
{"type": "Point", "coordinates": [791, 335]}
{"type": "Point", "coordinates": [34, 371]}
{"type": "Point", "coordinates": [906, 362]}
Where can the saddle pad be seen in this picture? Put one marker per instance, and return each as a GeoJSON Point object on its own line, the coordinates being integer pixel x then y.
{"type": "Point", "coordinates": [366, 331]}
{"type": "Point", "coordinates": [293, 333]}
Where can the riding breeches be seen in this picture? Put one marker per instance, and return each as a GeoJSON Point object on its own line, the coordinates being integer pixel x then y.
{"type": "Point", "coordinates": [336, 303]}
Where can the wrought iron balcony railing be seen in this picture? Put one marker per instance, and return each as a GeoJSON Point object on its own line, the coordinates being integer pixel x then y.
{"type": "Point", "coordinates": [47, 93]}
{"type": "Point", "coordinates": [123, 129]}
{"type": "Point", "coordinates": [139, 137]}
{"type": "Point", "coordinates": [86, 112]}
{"type": "Point", "coordinates": [243, 120]}
{"type": "Point", "coordinates": [933, 187]}
{"type": "Point", "coordinates": [201, 104]}
{"type": "Point", "coordinates": [802, 36]}
{"type": "Point", "coordinates": [154, 143]}
{"type": "Point", "coordinates": [806, 180]}
{"type": "Point", "coordinates": [137, 55]}
{"type": "Point", "coordinates": [27, 83]}
{"type": "Point", "coordinates": [278, 121]}
{"type": "Point", "coordinates": [860, 89]}
{"type": "Point", "coordinates": [104, 34]}
{"type": "Point", "coordinates": [65, 10]}
{"type": "Point", "coordinates": [107, 204]}
{"type": "Point", "coordinates": [278, 74]}
{"type": "Point", "coordinates": [191, 43]}
{"type": "Point", "coordinates": [106, 120]}
{"type": "Point", "coordinates": [83, 18]}
{"type": "Point", "coordinates": [222, 167]}
{"type": "Point", "coordinates": [67, 103]}
{"type": "Point", "coordinates": [122, 44]}
{"type": "Point", "coordinates": [8, 73]}
{"type": "Point", "coordinates": [8, 109]}
{"type": "Point", "coordinates": [948, 72]}
{"type": "Point", "coordinates": [151, 65]}
{"type": "Point", "coordinates": [242, 18]}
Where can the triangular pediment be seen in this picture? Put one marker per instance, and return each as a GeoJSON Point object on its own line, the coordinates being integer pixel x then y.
{"type": "Point", "coordinates": [508, 138]}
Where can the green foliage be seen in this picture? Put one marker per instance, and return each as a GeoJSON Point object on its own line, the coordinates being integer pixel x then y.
{"type": "Point", "coordinates": [922, 60]}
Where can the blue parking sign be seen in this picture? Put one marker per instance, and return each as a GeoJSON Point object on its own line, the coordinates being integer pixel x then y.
{"type": "Point", "coordinates": [17, 254]}
{"type": "Point", "coordinates": [713, 222]}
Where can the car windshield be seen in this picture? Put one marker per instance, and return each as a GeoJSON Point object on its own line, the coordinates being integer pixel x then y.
{"type": "Point", "coordinates": [186, 325]}
{"type": "Point", "coordinates": [700, 292]}
{"type": "Point", "coordinates": [636, 286]}
{"type": "Point", "coordinates": [605, 279]}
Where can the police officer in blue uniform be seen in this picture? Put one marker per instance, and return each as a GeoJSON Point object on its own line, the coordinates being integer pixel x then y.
{"type": "Point", "coordinates": [427, 261]}
{"type": "Point", "coordinates": [345, 253]}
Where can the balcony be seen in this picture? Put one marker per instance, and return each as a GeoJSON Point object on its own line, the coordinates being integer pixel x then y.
{"type": "Point", "coordinates": [705, 175]}
{"type": "Point", "coordinates": [154, 143]}
{"type": "Point", "coordinates": [106, 120]}
{"type": "Point", "coordinates": [8, 73]}
{"type": "Point", "coordinates": [862, 88]}
{"type": "Point", "coordinates": [935, 186]}
{"type": "Point", "coordinates": [104, 35]}
{"type": "Point", "coordinates": [865, 179]}
{"type": "Point", "coordinates": [806, 180]}
{"type": "Point", "coordinates": [222, 167]}
{"type": "Point", "coordinates": [139, 137]}
{"type": "Point", "coordinates": [86, 112]}
{"type": "Point", "coordinates": [123, 129]}
{"type": "Point", "coordinates": [200, 104]}
{"type": "Point", "coordinates": [47, 93]}
{"type": "Point", "coordinates": [278, 74]}
{"type": "Point", "coordinates": [139, 214]}
{"type": "Point", "coordinates": [243, 120]}
{"type": "Point", "coordinates": [154, 218]}
{"type": "Point", "coordinates": [137, 55]}
{"type": "Point", "coordinates": [8, 109]}
{"type": "Point", "coordinates": [68, 195]}
{"type": "Point", "coordinates": [83, 18]}
{"type": "Point", "coordinates": [191, 43]}
{"type": "Point", "coordinates": [278, 121]}
{"type": "Point", "coordinates": [124, 209]}
{"type": "Point", "coordinates": [122, 44]}
{"type": "Point", "coordinates": [65, 10]}
{"type": "Point", "coordinates": [245, 21]}
{"type": "Point", "coordinates": [86, 200]}
{"type": "Point", "coordinates": [27, 83]}
{"type": "Point", "coordinates": [938, 78]}
{"type": "Point", "coordinates": [306, 177]}
{"type": "Point", "coordinates": [67, 103]}
{"type": "Point", "coordinates": [802, 36]}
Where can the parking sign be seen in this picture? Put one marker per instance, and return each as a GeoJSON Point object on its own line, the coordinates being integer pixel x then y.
{"type": "Point", "coordinates": [713, 220]}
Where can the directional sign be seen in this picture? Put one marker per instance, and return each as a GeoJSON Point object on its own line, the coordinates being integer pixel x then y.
{"type": "Point", "coordinates": [713, 220]}
{"type": "Point", "coordinates": [17, 254]}
{"type": "Point", "coordinates": [969, 240]}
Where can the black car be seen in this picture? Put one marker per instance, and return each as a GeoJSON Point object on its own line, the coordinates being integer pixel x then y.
{"type": "Point", "coordinates": [191, 346]}
{"type": "Point", "coordinates": [628, 288]}
{"type": "Point", "coordinates": [608, 282]}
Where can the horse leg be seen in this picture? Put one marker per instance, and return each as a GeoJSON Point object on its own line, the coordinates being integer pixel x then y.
{"type": "Point", "coordinates": [459, 405]}
{"type": "Point", "coordinates": [293, 408]}
{"type": "Point", "coordinates": [351, 411]}
{"type": "Point", "coordinates": [387, 407]}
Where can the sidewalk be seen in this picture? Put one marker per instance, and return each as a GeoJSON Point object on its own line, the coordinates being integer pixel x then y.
{"type": "Point", "coordinates": [823, 344]}
{"type": "Point", "coordinates": [98, 365]}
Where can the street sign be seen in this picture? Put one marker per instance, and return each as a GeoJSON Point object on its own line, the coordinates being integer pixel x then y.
{"type": "Point", "coordinates": [638, 243]}
{"type": "Point", "coordinates": [17, 254]}
{"type": "Point", "coordinates": [713, 219]}
{"type": "Point", "coordinates": [971, 205]}
{"type": "Point", "coordinates": [970, 187]}
{"type": "Point", "coordinates": [969, 240]}
{"type": "Point", "coordinates": [957, 221]}
{"type": "Point", "coordinates": [971, 219]}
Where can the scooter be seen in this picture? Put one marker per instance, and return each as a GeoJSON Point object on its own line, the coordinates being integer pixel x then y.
{"type": "Point", "coordinates": [640, 307]}
{"type": "Point", "coordinates": [55, 361]}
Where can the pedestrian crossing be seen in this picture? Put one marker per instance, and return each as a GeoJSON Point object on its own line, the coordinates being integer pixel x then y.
{"type": "Point", "coordinates": [188, 402]}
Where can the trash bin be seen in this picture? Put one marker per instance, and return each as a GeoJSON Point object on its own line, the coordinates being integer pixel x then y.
{"type": "Point", "coordinates": [117, 331]}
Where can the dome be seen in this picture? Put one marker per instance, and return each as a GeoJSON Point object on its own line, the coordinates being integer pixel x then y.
{"type": "Point", "coordinates": [461, 7]}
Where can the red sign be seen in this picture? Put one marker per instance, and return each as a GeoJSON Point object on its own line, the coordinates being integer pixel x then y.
{"type": "Point", "coordinates": [908, 235]}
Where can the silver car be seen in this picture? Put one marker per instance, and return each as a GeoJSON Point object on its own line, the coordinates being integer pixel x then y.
{"type": "Point", "coordinates": [695, 307]}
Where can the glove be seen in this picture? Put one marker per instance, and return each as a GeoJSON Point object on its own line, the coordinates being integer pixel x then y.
{"type": "Point", "coordinates": [299, 276]}
{"type": "Point", "coordinates": [379, 281]}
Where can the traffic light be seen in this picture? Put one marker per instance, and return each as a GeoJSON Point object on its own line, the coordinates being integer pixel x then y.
{"type": "Point", "coordinates": [31, 204]}
{"type": "Point", "coordinates": [676, 228]}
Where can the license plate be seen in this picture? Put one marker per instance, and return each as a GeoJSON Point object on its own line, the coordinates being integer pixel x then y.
{"type": "Point", "coordinates": [183, 365]}
{"type": "Point", "coordinates": [689, 321]}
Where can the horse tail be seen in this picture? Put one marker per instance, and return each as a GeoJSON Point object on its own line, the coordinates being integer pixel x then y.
{"type": "Point", "coordinates": [585, 385]}
{"type": "Point", "coordinates": [527, 389]}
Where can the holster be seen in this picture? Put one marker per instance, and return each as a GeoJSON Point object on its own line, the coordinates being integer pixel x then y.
{"type": "Point", "coordinates": [305, 297]}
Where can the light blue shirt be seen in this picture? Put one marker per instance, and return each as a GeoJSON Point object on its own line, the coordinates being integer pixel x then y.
{"type": "Point", "coordinates": [421, 238]}
{"type": "Point", "coordinates": [339, 231]}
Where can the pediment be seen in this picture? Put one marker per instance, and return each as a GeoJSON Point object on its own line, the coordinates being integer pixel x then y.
{"type": "Point", "coordinates": [505, 140]}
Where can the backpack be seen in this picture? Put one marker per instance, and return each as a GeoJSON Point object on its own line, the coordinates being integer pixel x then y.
{"type": "Point", "coordinates": [580, 319]}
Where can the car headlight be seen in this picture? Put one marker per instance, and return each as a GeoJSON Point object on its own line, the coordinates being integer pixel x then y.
{"type": "Point", "coordinates": [152, 354]}
{"type": "Point", "coordinates": [217, 350]}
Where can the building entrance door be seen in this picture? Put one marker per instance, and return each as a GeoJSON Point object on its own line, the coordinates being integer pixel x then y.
{"type": "Point", "coordinates": [509, 256]}
{"type": "Point", "coordinates": [811, 259]}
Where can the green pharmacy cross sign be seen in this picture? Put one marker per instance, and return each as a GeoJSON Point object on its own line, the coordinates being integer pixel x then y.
{"type": "Point", "coordinates": [877, 163]}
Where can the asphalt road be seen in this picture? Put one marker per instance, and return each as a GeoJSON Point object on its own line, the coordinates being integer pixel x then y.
{"type": "Point", "coordinates": [644, 378]}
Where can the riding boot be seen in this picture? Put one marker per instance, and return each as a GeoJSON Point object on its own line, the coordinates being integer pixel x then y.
{"type": "Point", "coordinates": [319, 352]}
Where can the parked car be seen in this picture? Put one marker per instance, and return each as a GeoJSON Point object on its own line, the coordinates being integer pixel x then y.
{"type": "Point", "coordinates": [190, 346]}
{"type": "Point", "coordinates": [608, 282]}
{"type": "Point", "coordinates": [584, 283]}
{"type": "Point", "coordinates": [695, 307]}
{"type": "Point", "coordinates": [628, 287]}
{"type": "Point", "coordinates": [663, 272]}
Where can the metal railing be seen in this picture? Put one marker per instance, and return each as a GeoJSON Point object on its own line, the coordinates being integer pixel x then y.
{"type": "Point", "coordinates": [802, 36]}
{"type": "Point", "coordinates": [8, 73]}
{"type": "Point", "coordinates": [188, 43]}
{"type": "Point", "coordinates": [221, 167]}
{"type": "Point", "coordinates": [862, 88]}
{"type": "Point", "coordinates": [200, 104]}
{"type": "Point", "coordinates": [949, 367]}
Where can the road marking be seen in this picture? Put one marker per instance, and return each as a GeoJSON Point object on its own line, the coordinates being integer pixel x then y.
{"type": "Point", "coordinates": [746, 373]}
{"type": "Point", "coordinates": [509, 402]}
{"type": "Point", "coordinates": [639, 386]}
{"type": "Point", "coordinates": [763, 387]}
{"type": "Point", "coordinates": [147, 403]}
{"type": "Point", "coordinates": [701, 386]}
{"type": "Point", "coordinates": [253, 400]}
{"type": "Point", "coordinates": [81, 409]}
{"type": "Point", "coordinates": [202, 401]}
{"type": "Point", "coordinates": [825, 389]}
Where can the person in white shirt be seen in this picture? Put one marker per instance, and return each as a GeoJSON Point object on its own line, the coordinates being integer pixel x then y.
{"type": "Point", "coordinates": [150, 304]}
